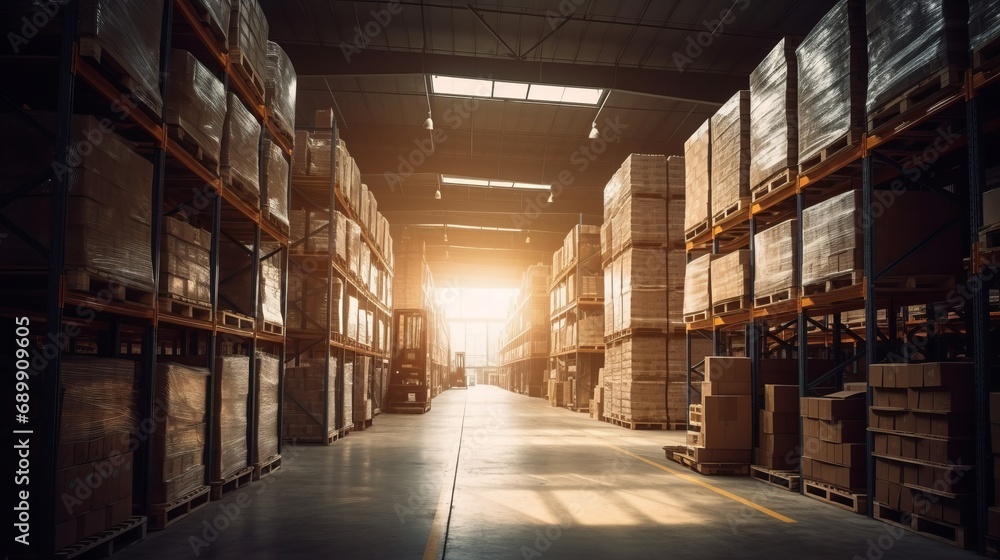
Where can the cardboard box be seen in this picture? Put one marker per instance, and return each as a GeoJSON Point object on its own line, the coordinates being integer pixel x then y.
{"type": "Point", "coordinates": [947, 374]}
{"type": "Point", "coordinates": [705, 455]}
{"type": "Point", "coordinates": [841, 431]}
{"type": "Point", "coordinates": [779, 444]}
{"type": "Point", "coordinates": [725, 388]}
{"type": "Point", "coordinates": [843, 405]}
{"type": "Point", "coordinates": [727, 422]}
{"type": "Point", "coordinates": [889, 397]}
{"type": "Point", "coordinates": [779, 423]}
{"type": "Point", "coordinates": [778, 462]}
{"type": "Point", "coordinates": [726, 369]}
{"type": "Point", "coordinates": [781, 398]}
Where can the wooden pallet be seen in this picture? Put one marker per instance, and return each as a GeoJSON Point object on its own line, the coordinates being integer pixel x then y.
{"type": "Point", "coordinates": [788, 480]}
{"type": "Point", "coordinates": [840, 281]}
{"type": "Point", "coordinates": [246, 192]}
{"type": "Point", "coordinates": [107, 542]}
{"type": "Point", "coordinates": [214, 26]}
{"type": "Point", "coordinates": [90, 47]}
{"type": "Point", "coordinates": [712, 469]}
{"type": "Point", "coordinates": [280, 126]}
{"type": "Point", "coordinates": [96, 282]}
{"type": "Point", "coordinates": [839, 145]}
{"type": "Point", "coordinates": [272, 328]}
{"type": "Point", "coordinates": [313, 440]}
{"type": "Point", "coordinates": [365, 424]}
{"type": "Point", "coordinates": [671, 449]}
{"type": "Point", "coordinates": [631, 424]}
{"type": "Point", "coordinates": [695, 412]}
{"type": "Point", "coordinates": [697, 317]}
{"type": "Point", "coordinates": [254, 81]}
{"type": "Point", "coordinates": [235, 320]}
{"type": "Point", "coordinates": [837, 497]}
{"type": "Point", "coordinates": [167, 514]}
{"type": "Point", "coordinates": [771, 299]}
{"type": "Point", "coordinates": [189, 144]}
{"type": "Point", "coordinates": [677, 426]}
{"type": "Point", "coordinates": [222, 488]}
{"type": "Point", "coordinates": [170, 304]}
{"type": "Point", "coordinates": [274, 221]}
{"type": "Point", "coordinates": [696, 231]}
{"type": "Point", "coordinates": [734, 305]}
{"type": "Point", "coordinates": [955, 535]}
{"type": "Point", "coordinates": [778, 182]}
{"type": "Point", "coordinates": [266, 467]}
{"type": "Point", "coordinates": [924, 94]}
{"type": "Point", "coordinates": [726, 213]}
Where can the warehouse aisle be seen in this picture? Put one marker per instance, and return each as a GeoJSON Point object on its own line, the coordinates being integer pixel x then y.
{"type": "Point", "coordinates": [532, 482]}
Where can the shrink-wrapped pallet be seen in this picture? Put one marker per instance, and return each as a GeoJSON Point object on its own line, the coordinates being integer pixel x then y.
{"type": "Point", "coordinates": [185, 259]}
{"type": "Point", "coordinates": [229, 436]}
{"type": "Point", "coordinates": [698, 177]}
{"type": "Point", "coordinates": [319, 146]}
{"type": "Point", "coordinates": [217, 14]}
{"type": "Point", "coordinates": [280, 88]}
{"type": "Point", "coordinates": [774, 142]}
{"type": "Point", "coordinates": [248, 37]}
{"type": "Point", "coordinates": [125, 36]}
{"type": "Point", "coordinates": [310, 401]}
{"type": "Point", "coordinates": [274, 182]}
{"type": "Point", "coordinates": [832, 79]}
{"type": "Point", "coordinates": [180, 435]}
{"type": "Point", "coordinates": [240, 150]}
{"type": "Point", "coordinates": [270, 293]}
{"type": "Point", "coordinates": [730, 154]}
{"type": "Point", "coordinates": [730, 276]}
{"type": "Point", "coordinates": [196, 104]}
{"type": "Point", "coordinates": [697, 285]}
{"type": "Point", "coordinates": [775, 260]}
{"type": "Point", "coordinates": [268, 398]}
{"type": "Point", "coordinates": [984, 24]}
{"type": "Point", "coordinates": [910, 41]}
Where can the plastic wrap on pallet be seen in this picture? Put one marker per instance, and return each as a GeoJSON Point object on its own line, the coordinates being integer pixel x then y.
{"type": "Point", "coordinates": [274, 181]}
{"type": "Point", "coordinates": [337, 306]}
{"type": "Point", "coordinates": [774, 143]}
{"type": "Point", "coordinates": [353, 247]}
{"type": "Point", "coordinates": [319, 146]}
{"type": "Point", "coordinates": [240, 148]}
{"type": "Point", "coordinates": [98, 399]}
{"type": "Point", "coordinates": [730, 276]}
{"type": "Point", "coordinates": [348, 403]}
{"type": "Point", "coordinates": [280, 87]}
{"type": "Point", "coordinates": [196, 103]}
{"type": "Point", "coordinates": [984, 22]}
{"type": "Point", "coordinates": [248, 35]}
{"type": "Point", "coordinates": [775, 262]}
{"type": "Point", "coordinates": [832, 75]}
{"type": "Point", "coordinates": [731, 153]}
{"type": "Point", "coordinates": [307, 403]}
{"type": "Point", "coordinates": [639, 174]}
{"type": "Point", "coordinates": [232, 378]}
{"type": "Point", "coordinates": [109, 209]}
{"type": "Point", "coordinates": [219, 12]}
{"type": "Point", "coordinates": [267, 407]}
{"type": "Point", "coordinates": [352, 318]}
{"type": "Point", "coordinates": [362, 212]}
{"type": "Point", "coordinates": [365, 265]}
{"type": "Point", "coordinates": [910, 40]}
{"type": "Point", "coordinates": [342, 168]}
{"type": "Point", "coordinates": [697, 176]}
{"type": "Point", "coordinates": [830, 238]}
{"type": "Point", "coordinates": [185, 261]}
{"type": "Point", "coordinates": [697, 283]}
{"type": "Point", "coordinates": [300, 156]}
{"type": "Point", "coordinates": [270, 293]}
{"type": "Point", "coordinates": [179, 440]}
{"type": "Point", "coordinates": [128, 32]}
{"type": "Point", "coordinates": [340, 236]}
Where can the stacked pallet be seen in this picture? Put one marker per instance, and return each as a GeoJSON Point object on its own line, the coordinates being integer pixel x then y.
{"type": "Point", "coordinates": [834, 467]}
{"type": "Point", "coordinates": [698, 181]}
{"type": "Point", "coordinates": [914, 47]}
{"type": "Point", "coordinates": [98, 414]}
{"type": "Point", "coordinates": [730, 171]}
{"type": "Point", "coordinates": [265, 448]}
{"type": "Point", "coordinates": [774, 141]}
{"type": "Point", "coordinates": [730, 282]}
{"type": "Point", "coordinates": [179, 441]}
{"type": "Point", "coordinates": [239, 159]}
{"type": "Point", "coordinates": [362, 406]}
{"type": "Point", "coordinates": [524, 344]}
{"type": "Point", "coordinates": [778, 448]}
{"type": "Point", "coordinates": [832, 81]}
{"type": "Point", "coordinates": [310, 403]}
{"type": "Point", "coordinates": [269, 309]}
{"type": "Point", "coordinates": [229, 435]}
{"type": "Point", "coordinates": [832, 242]}
{"type": "Point", "coordinates": [280, 88]}
{"type": "Point", "coordinates": [776, 264]}
{"type": "Point", "coordinates": [248, 30]}
{"type": "Point", "coordinates": [698, 289]}
{"type": "Point", "coordinates": [984, 31]}
{"type": "Point", "coordinates": [274, 183]}
{"type": "Point", "coordinates": [196, 108]}
{"type": "Point", "coordinates": [720, 439]}
{"type": "Point", "coordinates": [185, 275]}
{"type": "Point", "coordinates": [921, 419]}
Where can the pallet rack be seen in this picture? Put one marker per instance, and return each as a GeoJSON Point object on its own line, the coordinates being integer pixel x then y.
{"type": "Point", "coordinates": [524, 343]}
{"type": "Point", "coordinates": [140, 330]}
{"type": "Point", "coordinates": [812, 326]}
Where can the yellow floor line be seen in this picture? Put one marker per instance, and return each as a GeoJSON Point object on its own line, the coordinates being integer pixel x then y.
{"type": "Point", "coordinates": [711, 487]}
{"type": "Point", "coordinates": [435, 542]}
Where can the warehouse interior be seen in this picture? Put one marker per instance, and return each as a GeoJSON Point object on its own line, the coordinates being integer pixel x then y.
{"type": "Point", "coordinates": [506, 279]}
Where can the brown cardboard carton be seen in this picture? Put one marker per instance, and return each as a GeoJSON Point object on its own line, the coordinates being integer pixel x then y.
{"type": "Point", "coordinates": [725, 388]}
{"type": "Point", "coordinates": [779, 444]}
{"type": "Point", "coordinates": [727, 422]}
{"type": "Point", "coordinates": [781, 398]}
{"type": "Point", "coordinates": [889, 397]}
{"type": "Point", "coordinates": [947, 374]}
{"type": "Point", "coordinates": [875, 376]}
{"type": "Point", "coordinates": [841, 431]}
{"type": "Point", "coordinates": [779, 423]}
{"type": "Point", "coordinates": [705, 455]}
{"type": "Point", "coordinates": [721, 368]}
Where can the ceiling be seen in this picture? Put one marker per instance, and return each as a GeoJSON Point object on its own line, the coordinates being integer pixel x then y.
{"type": "Point", "coordinates": [370, 61]}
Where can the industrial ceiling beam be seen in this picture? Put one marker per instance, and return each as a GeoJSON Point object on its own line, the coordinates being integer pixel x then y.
{"type": "Point", "coordinates": [553, 223]}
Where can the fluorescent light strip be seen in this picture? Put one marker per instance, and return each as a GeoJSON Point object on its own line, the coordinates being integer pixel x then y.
{"type": "Point", "coordinates": [519, 91]}
{"type": "Point", "coordinates": [491, 183]}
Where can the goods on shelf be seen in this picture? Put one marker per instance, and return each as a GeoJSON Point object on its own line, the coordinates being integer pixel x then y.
{"type": "Point", "coordinates": [698, 178]}
{"type": "Point", "coordinates": [185, 258]}
{"type": "Point", "coordinates": [776, 263]}
{"type": "Point", "coordinates": [912, 41]}
{"type": "Point", "coordinates": [730, 281]}
{"type": "Point", "coordinates": [730, 156]}
{"type": "Point", "coordinates": [217, 14]}
{"type": "Point", "coordinates": [300, 157]}
{"type": "Point", "coordinates": [724, 432]}
{"type": "Point", "coordinates": [280, 89]}
{"type": "Point", "coordinates": [310, 393]}
{"type": "Point", "coordinates": [274, 182]}
{"type": "Point", "coordinates": [98, 414]}
{"type": "Point", "coordinates": [362, 390]}
{"type": "Point", "coordinates": [125, 36]}
{"type": "Point", "coordinates": [832, 81]}
{"type": "Point", "coordinates": [240, 151]}
{"type": "Point", "coordinates": [248, 41]}
{"type": "Point", "coordinates": [778, 447]}
{"type": "Point", "coordinates": [347, 412]}
{"type": "Point", "coordinates": [268, 398]}
{"type": "Point", "coordinates": [196, 105]}
{"type": "Point", "coordinates": [229, 435]}
{"type": "Point", "coordinates": [179, 438]}
{"type": "Point", "coordinates": [984, 29]}
{"type": "Point", "coordinates": [833, 449]}
{"type": "Point", "coordinates": [270, 293]}
{"type": "Point", "coordinates": [774, 131]}
{"type": "Point", "coordinates": [697, 287]}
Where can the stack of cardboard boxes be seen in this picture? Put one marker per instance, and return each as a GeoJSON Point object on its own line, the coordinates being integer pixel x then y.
{"type": "Point", "coordinates": [725, 410]}
{"type": "Point", "coordinates": [307, 403]}
{"type": "Point", "coordinates": [179, 439]}
{"type": "Point", "coordinates": [229, 436]}
{"type": "Point", "coordinates": [779, 428]}
{"type": "Point", "coordinates": [921, 418]}
{"type": "Point", "coordinates": [833, 439]}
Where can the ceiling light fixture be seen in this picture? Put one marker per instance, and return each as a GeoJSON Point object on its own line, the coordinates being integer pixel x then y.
{"type": "Point", "coordinates": [527, 239]}
{"type": "Point", "coordinates": [594, 133]}
{"type": "Point", "coordinates": [429, 123]}
{"type": "Point", "coordinates": [551, 198]}
{"type": "Point", "coordinates": [437, 194]}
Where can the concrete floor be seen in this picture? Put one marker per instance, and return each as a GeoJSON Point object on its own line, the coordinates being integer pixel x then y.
{"type": "Point", "coordinates": [532, 482]}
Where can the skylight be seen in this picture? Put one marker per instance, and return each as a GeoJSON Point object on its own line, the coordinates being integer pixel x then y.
{"type": "Point", "coordinates": [491, 183]}
{"type": "Point", "coordinates": [468, 87]}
